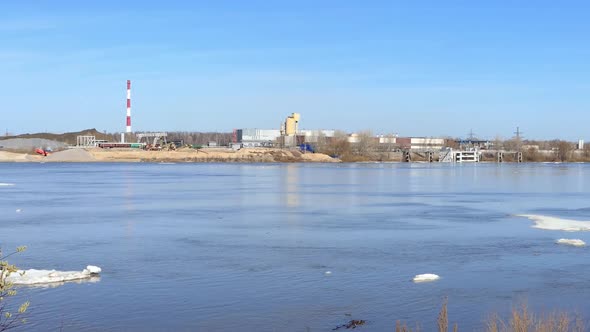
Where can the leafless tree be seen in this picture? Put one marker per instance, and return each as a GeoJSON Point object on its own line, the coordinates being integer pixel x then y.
{"type": "Point", "coordinates": [338, 145]}
{"type": "Point", "coordinates": [564, 150]}
{"type": "Point", "coordinates": [366, 143]}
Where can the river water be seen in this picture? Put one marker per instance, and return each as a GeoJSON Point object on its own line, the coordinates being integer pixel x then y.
{"type": "Point", "coordinates": [246, 247]}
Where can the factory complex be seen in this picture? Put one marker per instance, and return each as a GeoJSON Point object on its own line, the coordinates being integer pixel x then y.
{"type": "Point", "coordinates": [287, 141]}
{"type": "Point", "coordinates": [286, 136]}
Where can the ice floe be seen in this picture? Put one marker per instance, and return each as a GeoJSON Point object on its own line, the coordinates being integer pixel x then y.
{"type": "Point", "coordinates": [425, 277]}
{"type": "Point", "coordinates": [557, 224]}
{"type": "Point", "coordinates": [6, 184]}
{"type": "Point", "coordinates": [571, 242]}
{"type": "Point", "coordinates": [36, 277]}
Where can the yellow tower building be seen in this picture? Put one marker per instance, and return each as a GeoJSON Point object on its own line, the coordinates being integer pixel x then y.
{"type": "Point", "coordinates": [292, 124]}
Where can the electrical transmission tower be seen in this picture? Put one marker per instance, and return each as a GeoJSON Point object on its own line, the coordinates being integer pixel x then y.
{"type": "Point", "coordinates": [518, 138]}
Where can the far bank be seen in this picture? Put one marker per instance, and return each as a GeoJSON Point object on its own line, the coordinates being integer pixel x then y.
{"type": "Point", "coordinates": [249, 155]}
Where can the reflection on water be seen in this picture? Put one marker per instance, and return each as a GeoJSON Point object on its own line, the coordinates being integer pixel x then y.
{"type": "Point", "coordinates": [228, 247]}
{"type": "Point", "coordinates": [291, 185]}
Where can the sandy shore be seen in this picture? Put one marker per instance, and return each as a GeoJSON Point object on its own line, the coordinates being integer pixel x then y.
{"type": "Point", "coordinates": [18, 157]}
{"type": "Point", "coordinates": [183, 155]}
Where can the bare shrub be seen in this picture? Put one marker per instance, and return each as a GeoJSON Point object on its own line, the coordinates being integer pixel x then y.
{"type": "Point", "coordinates": [9, 319]}
{"type": "Point", "coordinates": [521, 320]}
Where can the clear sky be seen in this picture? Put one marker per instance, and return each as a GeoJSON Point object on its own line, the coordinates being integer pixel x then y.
{"type": "Point", "coordinates": [423, 68]}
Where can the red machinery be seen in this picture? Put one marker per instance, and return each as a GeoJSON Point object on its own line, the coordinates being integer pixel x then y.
{"type": "Point", "coordinates": [41, 152]}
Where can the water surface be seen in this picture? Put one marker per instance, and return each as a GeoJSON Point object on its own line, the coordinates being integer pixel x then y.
{"type": "Point", "coordinates": [230, 247]}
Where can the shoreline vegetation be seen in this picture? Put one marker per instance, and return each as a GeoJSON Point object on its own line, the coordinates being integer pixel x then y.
{"type": "Point", "coordinates": [521, 319]}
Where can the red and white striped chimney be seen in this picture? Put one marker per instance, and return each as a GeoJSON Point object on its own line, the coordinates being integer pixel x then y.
{"type": "Point", "coordinates": [128, 106]}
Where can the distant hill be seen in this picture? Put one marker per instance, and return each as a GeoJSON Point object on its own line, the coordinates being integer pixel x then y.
{"type": "Point", "coordinates": [68, 138]}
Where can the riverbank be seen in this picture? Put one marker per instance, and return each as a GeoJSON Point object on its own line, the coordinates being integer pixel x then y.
{"type": "Point", "coordinates": [253, 155]}
{"type": "Point", "coordinates": [224, 155]}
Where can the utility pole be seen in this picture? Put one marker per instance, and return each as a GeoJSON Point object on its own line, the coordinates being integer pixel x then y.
{"type": "Point", "coordinates": [518, 138]}
{"type": "Point", "coordinates": [471, 138]}
{"type": "Point", "coordinates": [518, 133]}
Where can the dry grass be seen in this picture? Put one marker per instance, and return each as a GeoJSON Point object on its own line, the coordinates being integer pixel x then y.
{"type": "Point", "coordinates": [402, 327]}
{"type": "Point", "coordinates": [443, 322]}
{"type": "Point", "coordinates": [521, 320]}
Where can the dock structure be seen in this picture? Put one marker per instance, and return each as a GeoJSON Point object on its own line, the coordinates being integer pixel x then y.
{"type": "Point", "coordinates": [471, 156]}
{"type": "Point", "coordinates": [430, 156]}
{"type": "Point", "coordinates": [476, 155]}
{"type": "Point", "coordinates": [501, 156]}
{"type": "Point", "coordinates": [422, 154]}
{"type": "Point", "coordinates": [446, 156]}
{"type": "Point", "coordinates": [459, 156]}
{"type": "Point", "coordinates": [407, 157]}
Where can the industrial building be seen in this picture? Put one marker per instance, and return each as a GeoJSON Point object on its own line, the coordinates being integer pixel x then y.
{"type": "Point", "coordinates": [312, 136]}
{"type": "Point", "coordinates": [257, 137]}
{"type": "Point", "coordinates": [288, 135]}
{"type": "Point", "coordinates": [405, 143]}
{"type": "Point", "coordinates": [420, 143]}
{"type": "Point", "coordinates": [289, 130]}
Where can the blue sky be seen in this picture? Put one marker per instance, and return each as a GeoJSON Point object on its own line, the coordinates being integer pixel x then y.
{"type": "Point", "coordinates": [423, 68]}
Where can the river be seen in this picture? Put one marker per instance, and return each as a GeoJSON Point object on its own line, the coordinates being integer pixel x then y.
{"type": "Point", "coordinates": [293, 247]}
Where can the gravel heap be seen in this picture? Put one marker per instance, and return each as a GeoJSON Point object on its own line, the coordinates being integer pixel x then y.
{"type": "Point", "coordinates": [31, 144]}
{"type": "Point", "coordinates": [72, 155]}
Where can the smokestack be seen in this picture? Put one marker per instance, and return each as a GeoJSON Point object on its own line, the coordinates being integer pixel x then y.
{"type": "Point", "coordinates": [128, 106]}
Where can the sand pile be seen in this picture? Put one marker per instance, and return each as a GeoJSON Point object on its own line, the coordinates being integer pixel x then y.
{"type": "Point", "coordinates": [72, 155]}
{"type": "Point", "coordinates": [29, 144]}
{"type": "Point", "coordinates": [210, 155]}
{"type": "Point", "coordinates": [10, 156]}
{"type": "Point", "coordinates": [318, 157]}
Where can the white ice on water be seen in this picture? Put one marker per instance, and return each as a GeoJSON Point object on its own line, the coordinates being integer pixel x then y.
{"type": "Point", "coordinates": [6, 184]}
{"type": "Point", "coordinates": [557, 224]}
{"type": "Point", "coordinates": [425, 277]}
{"type": "Point", "coordinates": [571, 242]}
{"type": "Point", "coordinates": [35, 277]}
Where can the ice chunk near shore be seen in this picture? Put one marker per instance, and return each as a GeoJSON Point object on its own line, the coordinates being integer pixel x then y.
{"type": "Point", "coordinates": [425, 277]}
{"type": "Point", "coordinates": [35, 277]}
{"type": "Point", "coordinates": [557, 224]}
{"type": "Point", "coordinates": [571, 242]}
